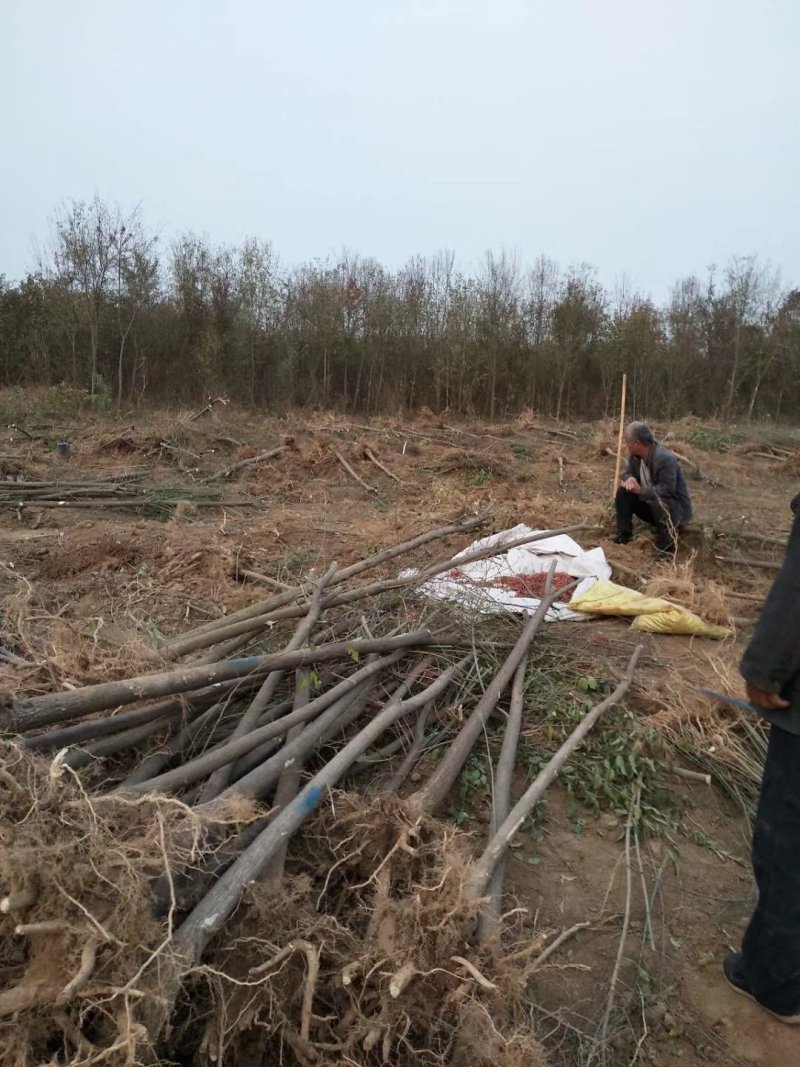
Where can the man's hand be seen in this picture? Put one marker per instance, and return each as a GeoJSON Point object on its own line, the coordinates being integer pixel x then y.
{"type": "Point", "coordinates": [631, 485]}
{"type": "Point", "coordinates": [762, 699]}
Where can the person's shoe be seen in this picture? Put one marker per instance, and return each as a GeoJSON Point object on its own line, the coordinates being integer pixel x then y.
{"type": "Point", "coordinates": [622, 539]}
{"type": "Point", "coordinates": [734, 976]}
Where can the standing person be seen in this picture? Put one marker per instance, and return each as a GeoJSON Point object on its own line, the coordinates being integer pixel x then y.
{"type": "Point", "coordinates": [653, 488]}
{"type": "Point", "coordinates": [767, 969]}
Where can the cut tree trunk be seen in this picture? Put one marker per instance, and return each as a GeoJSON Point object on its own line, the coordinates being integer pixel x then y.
{"type": "Point", "coordinates": [28, 713]}
{"type": "Point", "coordinates": [252, 462]}
{"type": "Point", "coordinates": [196, 770]}
{"type": "Point", "coordinates": [484, 868]}
{"type": "Point", "coordinates": [211, 914]}
{"type": "Point", "coordinates": [493, 909]}
{"type": "Point", "coordinates": [263, 697]}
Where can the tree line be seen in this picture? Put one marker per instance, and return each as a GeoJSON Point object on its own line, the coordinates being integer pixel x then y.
{"type": "Point", "coordinates": [108, 309]}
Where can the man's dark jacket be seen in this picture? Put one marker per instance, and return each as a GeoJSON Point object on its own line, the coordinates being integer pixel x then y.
{"type": "Point", "coordinates": [772, 659]}
{"type": "Point", "coordinates": [667, 483]}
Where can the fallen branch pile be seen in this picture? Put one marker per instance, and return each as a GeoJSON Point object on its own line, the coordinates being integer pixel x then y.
{"type": "Point", "coordinates": [215, 887]}
{"type": "Point", "coordinates": [14, 490]}
{"type": "Point", "coordinates": [109, 493]}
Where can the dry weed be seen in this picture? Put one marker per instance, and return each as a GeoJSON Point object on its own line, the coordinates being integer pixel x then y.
{"type": "Point", "coordinates": [79, 943]}
{"type": "Point", "coordinates": [681, 585]}
{"type": "Point", "coordinates": [606, 437]}
{"type": "Point", "coordinates": [366, 963]}
{"type": "Point", "coordinates": [359, 956]}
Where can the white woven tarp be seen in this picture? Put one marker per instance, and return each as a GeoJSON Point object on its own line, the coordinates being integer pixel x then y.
{"type": "Point", "coordinates": [472, 584]}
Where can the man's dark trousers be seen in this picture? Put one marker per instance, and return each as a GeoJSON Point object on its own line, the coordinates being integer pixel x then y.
{"type": "Point", "coordinates": [771, 946]}
{"type": "Point", "coordinates": [629, 504]}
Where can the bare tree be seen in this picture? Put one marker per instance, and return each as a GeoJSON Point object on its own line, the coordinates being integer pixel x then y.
{"type": "Point", "coordinates": [498, 296]}
{"type": "Point", "coordinates": [258, 299]}
{"type": "Point", "coordinates": [437, 312]}
{"type": "Point", "coordinates": [79, 259]}
{"type": "Point", "coordinates": [542, 294]}
{"type": "Point", "coordinates": [772, 343]}
{"type": "Point", "coordinates": [748, 285]}
{"type": "Point", "coordinates": [578, 322]}
{"type": "Point", "coordinates": [135, 270]}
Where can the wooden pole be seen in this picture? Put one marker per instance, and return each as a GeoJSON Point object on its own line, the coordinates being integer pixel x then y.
{"type": "Point", "coordinates": [618, 467]}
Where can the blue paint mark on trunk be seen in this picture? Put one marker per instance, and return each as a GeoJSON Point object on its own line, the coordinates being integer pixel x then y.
{"type": "Point", "coordinates": [310, 798]}
{"type": "Point", "coordinates": [244, 664]}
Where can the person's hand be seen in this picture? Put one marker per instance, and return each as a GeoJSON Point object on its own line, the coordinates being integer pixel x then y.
{"type": "Point", "coordinates": [762, 699]}
{"type": "Point", "coordinates": [631, 485]}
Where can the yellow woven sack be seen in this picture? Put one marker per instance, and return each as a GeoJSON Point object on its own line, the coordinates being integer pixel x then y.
{"type": "Point", "coordinates": [650, 614]}
{"type": "Point", "coordinates": [677, 621]}
{"type": "Point", "coordinates": [606, 598]}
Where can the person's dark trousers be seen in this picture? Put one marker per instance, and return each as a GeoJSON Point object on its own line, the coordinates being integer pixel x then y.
{"type": "Point", "coordinates": [629, 504]}
{"type": "Point", "coordinates": [771, 946]}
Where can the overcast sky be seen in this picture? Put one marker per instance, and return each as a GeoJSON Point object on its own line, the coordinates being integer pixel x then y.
{"type": "Point", "coordinates": [650, 138]}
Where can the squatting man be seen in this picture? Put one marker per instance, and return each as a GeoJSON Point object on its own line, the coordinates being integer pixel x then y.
{"type": "Point", "coordinates": [654, 489]}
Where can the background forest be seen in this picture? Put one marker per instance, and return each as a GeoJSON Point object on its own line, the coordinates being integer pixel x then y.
{"type": "Point", "coordinates": [110, 309]}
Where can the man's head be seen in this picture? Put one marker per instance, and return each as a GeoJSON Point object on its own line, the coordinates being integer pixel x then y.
{"type": "Point", "coordinates": [639, 439]}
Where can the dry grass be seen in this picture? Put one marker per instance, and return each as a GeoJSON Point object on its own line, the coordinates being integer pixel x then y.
{"type": "Point", "coordinates": [367, 957]}
{"type": "Point", "coordinates": [606, 437]}
{"type": "Point", "coordinates": [85, 866]}
{"type": "Point", "coordinates": [682, 585]}
{"type": "Point", "coordinates": [386, 933]}
{"type": "Point", "coordinates": [724, 741]}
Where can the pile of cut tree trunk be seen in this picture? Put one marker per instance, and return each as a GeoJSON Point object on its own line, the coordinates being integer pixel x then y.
{"type": "Point", "coordinates": [339, 926]}
{"type": "Point", "coordinates": [123, 493]}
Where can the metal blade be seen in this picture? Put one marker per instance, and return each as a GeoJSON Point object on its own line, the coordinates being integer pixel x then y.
{"type": "Point", "coordinates": [733, 702]}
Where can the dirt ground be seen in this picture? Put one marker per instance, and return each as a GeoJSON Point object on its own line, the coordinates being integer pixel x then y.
{"type": "Point", "coordinates": [89, 587]}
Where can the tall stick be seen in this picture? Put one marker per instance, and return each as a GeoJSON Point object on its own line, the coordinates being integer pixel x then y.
{"type": "Point", "coordinates": [618, 467]}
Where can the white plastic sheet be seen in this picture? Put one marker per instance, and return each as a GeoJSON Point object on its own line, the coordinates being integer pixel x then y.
{"type": "Point", "coordinates": [474, 589]}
